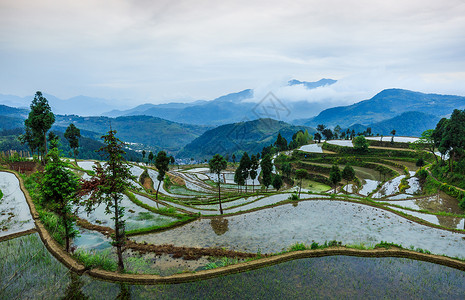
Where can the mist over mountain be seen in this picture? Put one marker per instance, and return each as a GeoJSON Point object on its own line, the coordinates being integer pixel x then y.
{"type": "Point", "coordinates": [385, 105]}
{"type": "Point", "coordinates": [230, 108]}
{"type": "Point", "coordinates": [79, 105]}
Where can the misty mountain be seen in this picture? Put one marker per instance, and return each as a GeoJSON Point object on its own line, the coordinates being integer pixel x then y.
{"type": "Point", "coordinates": [386, 105]}
{"type": "Point", "coordinates": [229, 108]}
{"type": "Point", "coordinates": [156, 132]}
{"type": "Point", "coordinates": [236, 138]}
{"type": "Point", "coordinates": [79, 105]}
{"type": "Point", "coordinates": [411, 123]}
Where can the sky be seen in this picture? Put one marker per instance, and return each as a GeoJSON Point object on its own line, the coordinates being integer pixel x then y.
{"type": "Point", "coordinates": [160, 51]}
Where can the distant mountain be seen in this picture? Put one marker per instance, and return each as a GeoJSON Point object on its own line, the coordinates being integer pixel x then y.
{"type": "Point", "coordinates": [249, 136]}
{"type": "Point", "coordinates": [155, 132]}
{"type": "Point", "coordinates": [411, 123]}
{"type": "Point", "coordinates": [152, 131]}
{"type": "Point", "coordinates": [226, 109]}
{"type": "Point", "coordinates": [79, 105]}
{"type": "Point", "coordinates": [385, 105]}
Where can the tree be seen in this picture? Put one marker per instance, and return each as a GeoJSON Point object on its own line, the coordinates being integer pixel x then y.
{"type": "Point", "coordinates": [171, 159]}
{"type": "Point", "coordinates": [320, 127]}
{"type": "Point", "coordinates": [39, 121]}
{"type": "Point", "coordinates": [337, 131]}
{"type": "Point", "coordinates": [348, 173]}
{"type": "Point", "coordinates": [281, 143]}
{"type": "Point", "coordinates": [393, 132]}
{"type": "Point", "coordinates": [453, 137]}
{"type": "Point", "coordinates": [162, 162]}
{"type": "Point", "coordinates": [245, 165]}
{"type": "Point", "coordinates": [267, 168]}
{"type": "Point", "coordinates": [317, 136]}
{"type": "Point", "coordinates": [335, 176]}
{"type": "Point", "coordinates": [107, 187]}
{"type": "Point", "coordinates": [234, 158]}
{"type": "Point", "coordinates": [300, 174]}
{"type": "Point", "coordinates": [218, 164]}
{"type": "Point", "coordinates": [426, 142]}
{"type": "Point", "coordinates": [238, 179]}
{"type": "Point", "coordinates": [277, 182]}
{"type": "Point", "coordinates": [327, 133]}
{"type": "Point", "coordinates": [143, 154]}
{"type": "Point", "coordinates": [253, 170]}
{"type": "Point", "coordinates": [72, 134]}
{"type": "Point", "coordinates": [150, 157]}
{"type": "Point", "coordinates": [58, 190]}
{"type": "Point", "coordinates": [369, 131]}
{"type": "Point", "coordinates": [286, 169]}
{"type": "Point", "coordinates": [360, 144]}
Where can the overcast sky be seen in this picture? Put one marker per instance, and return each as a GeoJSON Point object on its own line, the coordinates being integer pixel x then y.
{"type": "Point", "coordinates": [156, 51]}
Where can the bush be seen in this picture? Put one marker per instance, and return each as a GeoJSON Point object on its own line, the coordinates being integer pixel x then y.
{"type": "Point", "coordinates": [298, 247]}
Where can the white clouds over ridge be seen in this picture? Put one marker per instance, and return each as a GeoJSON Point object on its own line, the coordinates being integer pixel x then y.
{"type": "Point", "coordinates": [159, 50]}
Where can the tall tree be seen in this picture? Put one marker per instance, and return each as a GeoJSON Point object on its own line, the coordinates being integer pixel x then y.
{"type": "Point", "coordinates": [107, 187]}
{"type": "Point", "coordinates": [281, 143]}
{"type": "Point", "coordinates": [335, 176]}
{"type": "Point", "coordinates": [162, 162]}
{"type": "Point", "coordinates": [300, 174]}
{"type": "Point", "coordinates": [337, 131]}
{"type": "Point", "coordinates": [72, 134]}
{"type": "Point", "coordinates": [143, 154]}
{"type": "Point", "coordinates": [454, 137]}
{"type": "Point", "coordinates": [393, 132]}
{"type": "Point", "coordinates": [150, 157]}
{"type": "Point", "coordinates": [267, 168]}
{"type": "Point", "coordinates": [40, 121]}
{"type": "Point", "coordinates": [238, 179]}
{"type": "Point", "coordinates": [245, 165]}
{"type": "Point", "coordinates": [234, 158]}
{"type": "Point", "coordinates": [253, 170]}
{"type": "Point", "coordinates": [317, 137]}
{"type": "Point", "coordinates": [58, 190]}
{"type": "Point", "coordinates": [320, 127]}
{"type": "Point", "coordinates": [218, 164]}
{"type": "Point", "coordinates": [348, 173]}
{"type": "Point", "coordinates": [328, 134]}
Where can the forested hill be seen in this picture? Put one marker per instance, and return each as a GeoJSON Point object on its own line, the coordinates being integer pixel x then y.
{"type": "Point", "coordinates": [235, 138]}
{"type": "Point", "coordinates": [152, 131]}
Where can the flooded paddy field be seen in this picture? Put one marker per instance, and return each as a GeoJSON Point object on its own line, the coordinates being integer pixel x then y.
{"type": "Point", "coordinates": [136, 217]}
{"type": "Point", "coordinates": [14, 211]}
{"type": "Point", "coordinates": [43, 276]}
{"type": "Point", "coordinates": [274, 229]}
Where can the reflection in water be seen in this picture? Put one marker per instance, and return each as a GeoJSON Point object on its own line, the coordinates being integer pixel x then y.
{"type": "Point", "coordinates": [125, 293]}
{"type": "Point", "coordinates": [74, 289]}
{"type": "Point", "coordinates": [219, 225]}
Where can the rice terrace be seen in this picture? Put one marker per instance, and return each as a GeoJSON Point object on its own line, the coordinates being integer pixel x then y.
{"type": "Point", "coordinates": [304, 149]}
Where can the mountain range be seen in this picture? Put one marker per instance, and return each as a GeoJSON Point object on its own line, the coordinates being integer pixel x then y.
{"type": "Point", "coordinates": [230, 108]}
{"type": "Point", "coordinates": [385, 105]}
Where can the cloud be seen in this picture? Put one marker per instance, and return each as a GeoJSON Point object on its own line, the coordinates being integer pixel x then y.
{"type": "Point", "coordinates": [159, 50]}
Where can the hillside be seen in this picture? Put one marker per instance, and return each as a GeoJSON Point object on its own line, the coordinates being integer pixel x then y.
{"type": "Point", "coordinates": [411, 123]}
{"type": "Point", "coordinates": [386, 105]}
{"type": "Point", "coordinates": [249, 136]}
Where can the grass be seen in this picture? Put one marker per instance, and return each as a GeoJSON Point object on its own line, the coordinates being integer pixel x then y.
{"type": "Point", "coordinates": [96, 259]}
